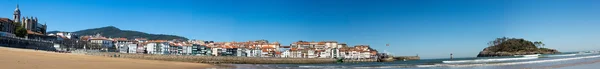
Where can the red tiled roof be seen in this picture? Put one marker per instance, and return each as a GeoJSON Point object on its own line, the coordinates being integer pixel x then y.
{"type": "Point", "coordinates": [264, 50]}
{"type": "Point", "coordinates": [373, 52]}
{"type": "Point", "coordinates": [228, 46]}
{"type": "Point", "coordinates": [85, 37]}
{"type": "Point", "coordinates": [35, 33]}
{"type": "Point", "coordinates": [294, 49]}
{"type": "Point", "coordinates": [267, 47]}
{"type": "Point", "coordinates": [120, 39]}
{"type": "Point", "coordinates": [5, 20]}
{"type": "Point", "coordinates": [157, 41]}
{"type": "Point", "coordinates": [98, 39]}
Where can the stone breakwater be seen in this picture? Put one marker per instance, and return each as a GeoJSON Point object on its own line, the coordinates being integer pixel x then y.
{"type": "Point", "coordinates": [407, 57]}
{"type": "Point", "coordinates": [360, 60]}
{"type": "Point", "coordinates": [218, 59]}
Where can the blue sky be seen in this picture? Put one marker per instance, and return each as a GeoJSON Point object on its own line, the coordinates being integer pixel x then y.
{"type": "Point", "coordinates": [430, 28]}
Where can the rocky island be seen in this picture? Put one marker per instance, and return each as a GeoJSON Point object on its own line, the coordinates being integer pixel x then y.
{"type": "Point", "coordinates": [514, 46]}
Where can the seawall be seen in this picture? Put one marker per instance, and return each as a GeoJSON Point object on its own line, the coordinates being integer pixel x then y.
{"type": "Point", "coordinates": [360, 60]}
{"type": "Point", "coordinates": [16, 42]}
{"type": "Point", "coordinates": [218, 59]}
{"type": "Point", "coordinates": [407, 57]}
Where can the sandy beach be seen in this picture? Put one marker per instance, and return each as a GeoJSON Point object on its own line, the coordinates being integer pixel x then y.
{"type": "Point", "coordinates": [13, 58]}
{"type": "Point", "coordinates": [586, 64]}
{"type": "Point", "coordinates": [581, 65]}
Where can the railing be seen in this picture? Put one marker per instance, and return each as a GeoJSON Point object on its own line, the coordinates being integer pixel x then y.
{"type": "Point", "coordinates": [17, 42]}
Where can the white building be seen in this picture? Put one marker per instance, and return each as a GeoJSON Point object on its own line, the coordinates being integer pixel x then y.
{"type": "Point", "coordinates": [157, 47]}
{"type": "Point", "coordinates": [286, 54]}
{"type": "Point", "coordinates": [104, 43]}
{"type": "Point", "coordinates": [132, 48]}
{"type": "Point", "coordinates": [358, 52]}
{"type": "Point", "coordinates": [152, 48]}
{"type": "Point", "coordinates": [215, 51]}
{"type": "Point", "coordinates": [323, 49]}
{"type": "Point", "coordinates": [188, 50]}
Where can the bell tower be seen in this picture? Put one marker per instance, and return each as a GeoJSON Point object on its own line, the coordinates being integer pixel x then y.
{"type": "Point", "coordinates": [17, 14]}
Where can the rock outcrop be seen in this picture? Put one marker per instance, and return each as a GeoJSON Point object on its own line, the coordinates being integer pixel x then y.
{"type": "Point", "coordinates": [514, 46]}
{"type": "Point", "coordinates": [488, 53]}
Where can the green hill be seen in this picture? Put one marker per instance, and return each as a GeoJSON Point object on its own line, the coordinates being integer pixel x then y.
{"type": "Point", "coordinates": [111, 31]}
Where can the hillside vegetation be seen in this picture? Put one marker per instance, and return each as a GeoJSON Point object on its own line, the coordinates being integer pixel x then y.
{"type": "Point", "coordinates": [111, 31]}
{"type": "Point", "coordinates": [514, 46]}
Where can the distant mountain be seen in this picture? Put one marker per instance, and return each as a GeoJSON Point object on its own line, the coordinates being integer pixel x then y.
{"type": "Point", "coordinates": [54, 32]}
{"type": "Point", "coordinates": [111, 31]}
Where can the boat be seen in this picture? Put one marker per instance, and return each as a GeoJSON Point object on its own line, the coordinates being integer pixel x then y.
{"type": "Point", "coordinates": [340, 60]}
{"type": "Point", "coordinates": [388, 59]}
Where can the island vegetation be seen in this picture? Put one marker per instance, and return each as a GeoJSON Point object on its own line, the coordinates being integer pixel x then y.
{"type": "Point", "coordinates": [514, 46]}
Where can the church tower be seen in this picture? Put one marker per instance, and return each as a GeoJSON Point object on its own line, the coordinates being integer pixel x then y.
{"type": "Point", "coordinates": [17, 14]}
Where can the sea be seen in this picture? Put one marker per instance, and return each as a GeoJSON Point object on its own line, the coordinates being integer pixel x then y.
{"type": "Point", "coordinates": [509, 62]}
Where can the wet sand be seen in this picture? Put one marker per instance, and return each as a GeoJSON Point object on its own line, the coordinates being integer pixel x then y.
{"type": "Point", "coordinates": [582, 65]}
{"type": "Point", "coordinates": [14, 58]}
{"type": "Point", "coordinates": [594, 64]}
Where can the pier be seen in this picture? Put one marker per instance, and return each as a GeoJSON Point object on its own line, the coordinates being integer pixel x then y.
{"type": "Point", "coordinates": [407, 57]}
{"type": "Point", "coordinates": [360, 60]}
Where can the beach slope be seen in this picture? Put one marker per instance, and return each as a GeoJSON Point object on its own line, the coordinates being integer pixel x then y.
{"type": "Point", "coordinates": [14, 58]}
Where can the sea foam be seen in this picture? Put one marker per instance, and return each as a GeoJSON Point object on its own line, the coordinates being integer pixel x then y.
{"type": "Point", "coordinates": [509, 63]}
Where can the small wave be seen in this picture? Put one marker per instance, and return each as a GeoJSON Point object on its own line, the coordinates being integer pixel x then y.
{"type": "Point", "coordinates": [551, 60]}
{"type": "Point", "coordinates": [382, 67]}
{"type": "Point", "coordinates": [585, 53]}
{"type": "Point", "coordinates": [533, 55]}
{"type": "Point", "coordinates": [436, 65]}
{"type": "Point", "coordinates": [489, 60]}
{"type": "Point", "coordinates": [562, 55]}
{"type": "Point", "coordinates": [322, 66]}
{"type": "Point", "coordinates": [356, 67]}
{"type": "Point", "coordinates": [509, 63]}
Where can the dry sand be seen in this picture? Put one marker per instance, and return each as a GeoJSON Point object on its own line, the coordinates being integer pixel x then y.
{"type": "Point", "coordinates": [592, 64]}
{"type": "Point", "coordinates": [13, 58]}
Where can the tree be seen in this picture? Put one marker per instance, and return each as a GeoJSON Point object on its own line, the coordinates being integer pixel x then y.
{"type": "Point", "coordinates": [506, 44]}
{"type": "Point", "coordinates": [16, 24]}
{"type": "Point", "coordinates": [20, 31]}
{"type": "Point", "coordinates": [539, 44]}
{"type": "Point", "coordinates": [498, 41]}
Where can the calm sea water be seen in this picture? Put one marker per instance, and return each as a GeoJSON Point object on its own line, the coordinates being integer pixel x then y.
{"type": "Point", "coordinates": [512, 62]}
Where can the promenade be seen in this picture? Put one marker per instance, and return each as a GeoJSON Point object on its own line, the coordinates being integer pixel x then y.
{"type": "Point", "coordinates": [218, 59]}
{"type": "Point", "coordinates": [15, 58]}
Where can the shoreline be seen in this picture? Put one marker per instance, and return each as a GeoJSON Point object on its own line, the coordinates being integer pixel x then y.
{"type": "Point", "coordinates": [578, 64]}
{"type": "Point", "coordinates": [17, 58]}
{"type": "Point", "coordinates": [217, 59]}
